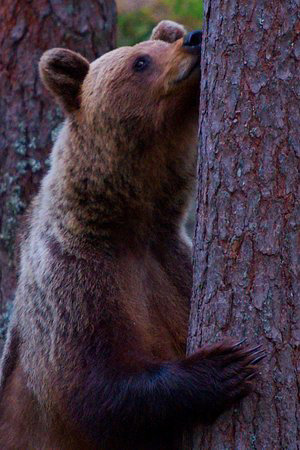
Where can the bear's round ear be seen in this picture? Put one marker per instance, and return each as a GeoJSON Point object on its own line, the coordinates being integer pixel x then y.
{"type": "Point", "coordinates": [62, 72]}
{"type": "Point", "coordinates": [168, 31]}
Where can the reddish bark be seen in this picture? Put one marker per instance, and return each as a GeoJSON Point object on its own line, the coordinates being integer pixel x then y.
{"type": "Point", "coordinates": [247, 247]}
{"type": "Point", "coordinates": [29, 118]}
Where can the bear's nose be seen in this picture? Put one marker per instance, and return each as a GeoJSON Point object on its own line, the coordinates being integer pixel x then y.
{"type": "Point", "coordinates": [193, 39]}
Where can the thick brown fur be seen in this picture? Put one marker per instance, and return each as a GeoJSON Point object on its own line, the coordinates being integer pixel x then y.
{"type": "Point", "coordinates": [94, 358]}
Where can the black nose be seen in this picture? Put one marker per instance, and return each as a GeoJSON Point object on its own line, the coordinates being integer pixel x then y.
{"type": "Point", "coordinates": [193, 39]}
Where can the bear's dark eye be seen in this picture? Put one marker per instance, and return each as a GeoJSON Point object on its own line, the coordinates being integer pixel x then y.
{"type": "Point", "coordinates": [141, 63]}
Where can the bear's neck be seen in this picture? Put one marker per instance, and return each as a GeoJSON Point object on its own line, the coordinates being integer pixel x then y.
{"type": "Point", "coordinates": [110, 198]}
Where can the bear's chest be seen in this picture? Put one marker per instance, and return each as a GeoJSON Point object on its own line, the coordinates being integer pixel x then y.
{"type": "Point", "coordinates": [158, 312]}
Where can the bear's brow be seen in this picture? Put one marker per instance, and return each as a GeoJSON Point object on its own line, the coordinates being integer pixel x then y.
{"type": "Point", "coordinates": [155, 43]}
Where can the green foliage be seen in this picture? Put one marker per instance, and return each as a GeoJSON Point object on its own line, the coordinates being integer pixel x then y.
{"type": "Point", "coordinates": [135, 26]}
{"type": "Point", "coordinates": [186, 8]}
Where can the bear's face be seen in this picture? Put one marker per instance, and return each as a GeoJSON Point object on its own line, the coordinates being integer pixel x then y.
{"type": "Point", "coordinates": [145, 73]}
{"type": "Point", "coordinates": [134, 81]}
{"type": "Point", "coordinates": [147, 84]}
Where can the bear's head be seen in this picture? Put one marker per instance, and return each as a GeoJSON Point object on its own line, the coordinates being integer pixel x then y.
{"type": "Point", "coordinates": [131, 114]}
{"type": "Point", "coordinates": [151, 80]}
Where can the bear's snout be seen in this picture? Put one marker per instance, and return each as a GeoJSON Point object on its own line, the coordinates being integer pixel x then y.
{"type": "Point", "coordinates": [192, 41]}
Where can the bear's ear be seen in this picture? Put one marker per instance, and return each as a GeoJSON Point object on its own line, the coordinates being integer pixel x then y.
{"type": "Point", "coordinates": [168, 31]}
{"type": "Point", "coordinates": [62, 72]}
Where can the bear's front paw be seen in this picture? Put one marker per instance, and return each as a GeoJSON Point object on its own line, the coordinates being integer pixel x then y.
{"type": "Point", "coordinates": [232, 368]}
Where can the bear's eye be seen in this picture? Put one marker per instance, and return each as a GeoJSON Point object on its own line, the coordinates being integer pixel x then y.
{"type": "Point", "coordinates": [141, 63]}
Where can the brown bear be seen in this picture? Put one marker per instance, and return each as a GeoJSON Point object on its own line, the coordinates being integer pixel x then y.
{"type": "Point", "coordinates": [95, 354]}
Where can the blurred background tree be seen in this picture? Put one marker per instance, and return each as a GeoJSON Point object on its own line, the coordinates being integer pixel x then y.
{"type": "Point", "coordinates": [136, 18]}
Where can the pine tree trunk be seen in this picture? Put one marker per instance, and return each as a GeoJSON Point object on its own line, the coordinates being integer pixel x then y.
{"type": "Point", "coordinates": [30, 120]}
{"type": "Point", "coordinates": [247, 247]}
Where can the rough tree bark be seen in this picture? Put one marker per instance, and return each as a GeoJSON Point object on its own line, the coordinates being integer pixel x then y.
{"type": "Point", "coordinates": [247, 245]}
{"type": "Point", "coordinates": [30, 120]}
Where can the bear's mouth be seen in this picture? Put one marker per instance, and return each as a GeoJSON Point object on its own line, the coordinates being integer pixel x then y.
{"type": "Point", "coordinates": [189, 71]}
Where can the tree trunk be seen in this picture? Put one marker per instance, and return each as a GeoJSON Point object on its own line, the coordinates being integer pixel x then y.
{"type": "Point", "coordinates": [30, 120]}
{"type": "Point", "coordinates": [247, 246]}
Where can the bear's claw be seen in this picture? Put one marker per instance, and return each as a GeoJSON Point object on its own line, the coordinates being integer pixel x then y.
{"type": "Point", "coordinates": [232, 368]}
